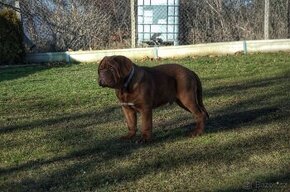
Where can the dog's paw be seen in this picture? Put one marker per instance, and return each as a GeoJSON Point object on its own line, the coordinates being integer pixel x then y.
{"type": "Point", "coordinates": [143, 140]}
{"type": "Point", "coordinates": [195, 134]}
{"type": "Point", "coordinates": [127, 137]}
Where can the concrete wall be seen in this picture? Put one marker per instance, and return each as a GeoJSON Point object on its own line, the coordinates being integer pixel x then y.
{"type": "Point", "coordinates": [165, 52]}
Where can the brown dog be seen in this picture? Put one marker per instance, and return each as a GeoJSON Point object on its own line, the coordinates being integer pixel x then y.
{"type": "Point", "coordinates": [141, 89]}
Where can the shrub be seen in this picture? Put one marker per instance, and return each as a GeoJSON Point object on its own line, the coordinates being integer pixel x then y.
{"type": "Point", "coordinates": [11, 46]}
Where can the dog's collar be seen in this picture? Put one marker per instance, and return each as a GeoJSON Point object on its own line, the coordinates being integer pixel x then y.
{"type": "Point", "coordinates": [127, 104]}
{"type": "Point", "coordinates": [130, 77]}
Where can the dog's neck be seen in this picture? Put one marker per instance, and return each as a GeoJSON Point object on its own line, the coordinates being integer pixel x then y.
{"type": "Point", "coordinates": [129, 78]}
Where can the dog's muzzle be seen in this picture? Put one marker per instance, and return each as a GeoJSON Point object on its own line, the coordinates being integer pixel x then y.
{"type": "Point", "coordinates": [101, 83]}
{"type": "Point", "coordinates": [102, 79]}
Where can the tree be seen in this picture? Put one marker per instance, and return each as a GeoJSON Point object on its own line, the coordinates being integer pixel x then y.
{"type": "Point", "coordinates": [11, 49]}
{"type": "Point", "coordinates": [60, 25]}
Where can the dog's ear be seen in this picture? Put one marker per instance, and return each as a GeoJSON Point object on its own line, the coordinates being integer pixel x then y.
{"type": "Point", "coordinates": [101, 63]}
{"type": "Point", "coordinates": [124, 64]}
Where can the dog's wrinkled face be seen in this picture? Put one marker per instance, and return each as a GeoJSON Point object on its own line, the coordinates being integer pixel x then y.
{"type": "Point", "coordinates": [112, 71]}
{"type": "Point", "coordinates": [108, 73]}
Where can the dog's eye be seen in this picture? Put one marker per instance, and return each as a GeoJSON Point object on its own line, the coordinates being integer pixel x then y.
{"type": "Point", "coordinates": [101, 67]}
{"type": "Point", "coordinates": [111, 68]}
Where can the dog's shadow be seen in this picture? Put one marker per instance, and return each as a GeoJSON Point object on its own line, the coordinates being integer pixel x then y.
{"type": "Point", "coordinates": [215, 123]}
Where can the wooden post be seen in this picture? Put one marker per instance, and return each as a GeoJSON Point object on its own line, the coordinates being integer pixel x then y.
{"type": "Point", "coordinates": [266, 19]}
{"type": "Point", "coordinates": [26, 40]}
{"type": "Point", "coordinates": [133, 24]}
{"type": "Point", "coordinates": [17, 5]}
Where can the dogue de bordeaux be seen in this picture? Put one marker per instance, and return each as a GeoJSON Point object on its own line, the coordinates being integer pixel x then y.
{"type": "Point", "coordinates": [141, 89]}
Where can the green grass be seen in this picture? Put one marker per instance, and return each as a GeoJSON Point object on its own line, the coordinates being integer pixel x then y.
{"type": "Point", "coordinates": [59, 131]}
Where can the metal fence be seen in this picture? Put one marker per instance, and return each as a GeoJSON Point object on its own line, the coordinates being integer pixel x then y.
{"type": "Point", "coordinates": [61, 25]}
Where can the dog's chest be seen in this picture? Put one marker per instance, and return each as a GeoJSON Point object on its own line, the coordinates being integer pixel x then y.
{"type": "Point", "coordinates": [125, 97]}
{"type": "Point", "coordinates": [128, 100]}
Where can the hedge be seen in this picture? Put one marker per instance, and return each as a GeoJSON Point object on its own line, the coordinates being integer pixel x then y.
{"type": "Point", "coordinates": [11, 44]}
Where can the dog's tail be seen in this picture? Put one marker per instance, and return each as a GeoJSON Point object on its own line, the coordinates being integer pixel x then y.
{"type": "Point", "coordinates": [199, 96]}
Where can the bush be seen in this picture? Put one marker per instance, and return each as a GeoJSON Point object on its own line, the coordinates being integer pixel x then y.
{"type": "Point", "coordinates": [11, 44]}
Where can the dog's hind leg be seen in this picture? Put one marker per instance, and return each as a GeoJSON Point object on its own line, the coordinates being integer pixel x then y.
{"type": "Point", "coordinates": [189, 101]}
{"type": "Point", "coordinates": [181, 105]}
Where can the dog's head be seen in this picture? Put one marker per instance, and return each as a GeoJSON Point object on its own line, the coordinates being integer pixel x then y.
{"type": "Point", "coordinates": [114, 70]}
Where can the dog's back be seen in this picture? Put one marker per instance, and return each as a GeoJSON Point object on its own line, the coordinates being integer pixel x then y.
{"type": "Point", "coordinates": [185, 80]}
{"type": "Point", "coordinates": [160, 81]}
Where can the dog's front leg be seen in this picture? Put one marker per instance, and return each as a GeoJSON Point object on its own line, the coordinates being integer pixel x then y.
{"type": "Point", "coordinates": [146, 128]}
{"type": "Point", "coordinates": [131, 119]}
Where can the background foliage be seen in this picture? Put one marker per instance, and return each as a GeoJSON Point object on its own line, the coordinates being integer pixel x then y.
{"type": "Point", "coordinates": [59, 25]}
{"type": "Point", "coordinates": [11, 49]}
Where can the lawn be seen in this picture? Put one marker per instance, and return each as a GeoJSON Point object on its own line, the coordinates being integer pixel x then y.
{"type": "Point", "coordinates": [59, 131]}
